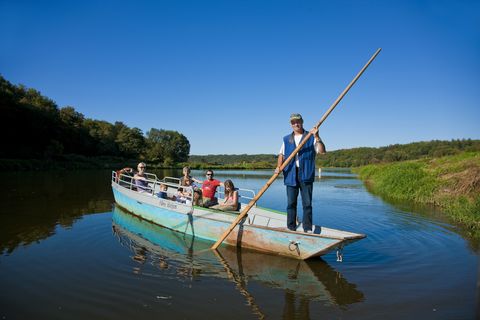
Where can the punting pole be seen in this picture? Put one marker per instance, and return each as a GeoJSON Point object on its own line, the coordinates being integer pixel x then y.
{"type": "Point", "coordinates": [275, 175]}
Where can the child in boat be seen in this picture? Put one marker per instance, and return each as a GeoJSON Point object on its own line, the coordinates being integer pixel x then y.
{"type": "Point", "coordinates": [188, 181]}
{"type": "Point", "coordinates": [230, 203]}
{"type": "Point", "coordinates": [163, 192]}
{"type": "Point", "coordinates": [184, 193]}
{"type": "Point", "coordinates": [186, 176]}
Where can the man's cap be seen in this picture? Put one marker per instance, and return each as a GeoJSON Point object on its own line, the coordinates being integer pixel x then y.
{"type": "Point", "coordinates": [296, 116]}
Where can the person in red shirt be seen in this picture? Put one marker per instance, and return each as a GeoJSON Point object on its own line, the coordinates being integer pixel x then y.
{"type": "Point", "coordinates": [209, 187]}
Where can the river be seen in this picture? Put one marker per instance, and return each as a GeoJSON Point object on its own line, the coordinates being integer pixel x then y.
{"type": "Point", "coordinates": [68, 253]}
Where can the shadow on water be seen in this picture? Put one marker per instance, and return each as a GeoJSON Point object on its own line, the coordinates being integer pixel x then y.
{"type": "Point", "coordinates": [34, 203]}
{"type": "Point", "coordinates": [304, 280]}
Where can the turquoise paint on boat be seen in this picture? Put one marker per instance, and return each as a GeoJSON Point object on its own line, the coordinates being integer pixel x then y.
{"type": "Point", "coordinates": [262, 230]}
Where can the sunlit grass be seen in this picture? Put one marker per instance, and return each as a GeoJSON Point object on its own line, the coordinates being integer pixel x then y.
{"type": "Point", "coordinates": [451, 182]}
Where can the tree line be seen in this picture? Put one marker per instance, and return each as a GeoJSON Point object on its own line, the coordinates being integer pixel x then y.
{"type": "Point", "coordinates": [354, 157]}
{"type": "Point", "coordinates": [234, 161]}
{"type": "Point", "coordinates": [35, 127]}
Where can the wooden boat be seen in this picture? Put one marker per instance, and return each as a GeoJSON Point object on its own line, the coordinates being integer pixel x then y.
{"type": "Point", "coordinates": [158, 246]}
{"type": "Point", "coordinates": [262, 230]}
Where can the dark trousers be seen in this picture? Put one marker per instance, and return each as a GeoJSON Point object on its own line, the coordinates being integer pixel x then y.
{"type": "Point", "coordinates": [305, 189]}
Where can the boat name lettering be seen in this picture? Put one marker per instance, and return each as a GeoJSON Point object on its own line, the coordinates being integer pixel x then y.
{"type": "Point", "coordinates": [168, 205]}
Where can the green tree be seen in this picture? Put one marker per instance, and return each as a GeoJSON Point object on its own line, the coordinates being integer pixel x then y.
{"type": "Point", "coordinates": [131, 142]}
{"type": "Point", "coordinates": [105, 135]}
{"type": "Point", "coordinates": [71, 118]}
{"type": "Point", "coordinates": [34, 98]}
{"type": "Point", "coordinates": [167, 146]}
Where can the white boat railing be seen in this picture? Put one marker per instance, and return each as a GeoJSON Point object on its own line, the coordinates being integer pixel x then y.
{"type": "Point", "coordinates": [168, 188]}
{"type": "Point", "coordinates": [165, 189]}
{"type": "Point", "coordinates": [244, 195]}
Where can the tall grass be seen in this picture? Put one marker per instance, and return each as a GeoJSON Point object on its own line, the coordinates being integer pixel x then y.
{"type": "Point", "coordinates": [451, 182]}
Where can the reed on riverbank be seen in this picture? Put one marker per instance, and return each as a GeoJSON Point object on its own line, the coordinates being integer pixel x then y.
{"type": "Point", "coordinates": [451, 183]}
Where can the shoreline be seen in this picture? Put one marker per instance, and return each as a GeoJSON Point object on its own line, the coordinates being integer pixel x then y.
{"type": "Point", "coordinates": [450, 183]}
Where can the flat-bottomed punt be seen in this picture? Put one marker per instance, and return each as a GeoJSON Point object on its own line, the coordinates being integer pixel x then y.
{"type": "Point", "coordinates": [262, 229]}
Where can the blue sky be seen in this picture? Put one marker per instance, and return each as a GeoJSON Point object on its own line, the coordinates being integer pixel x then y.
{"type": "Point", "coordinates": [227, 74]}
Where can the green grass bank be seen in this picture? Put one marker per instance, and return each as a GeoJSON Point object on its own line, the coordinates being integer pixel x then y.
{"type": "Point", "coordinates": [451, 183]}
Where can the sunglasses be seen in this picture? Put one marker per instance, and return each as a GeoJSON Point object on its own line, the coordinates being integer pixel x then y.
{"type": "Point", "coordinates": [141, 167]}
{"type": "Point", "coordinates": [209, 174]}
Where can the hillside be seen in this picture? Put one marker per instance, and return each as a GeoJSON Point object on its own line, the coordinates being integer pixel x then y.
{"type": "Point", "coordinates": [354, 157]}
{"type": "Point", "coordinates": [451, 183]}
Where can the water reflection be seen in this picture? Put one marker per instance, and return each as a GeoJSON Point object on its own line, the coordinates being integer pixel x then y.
{"type": "Point", "coordinates": [433, 214]}
{"type": "Point", "coordinates": [34, 203]}
{"type": "Point", "coordinates": [191, 258]}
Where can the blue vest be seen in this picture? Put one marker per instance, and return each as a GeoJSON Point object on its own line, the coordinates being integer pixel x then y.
{"type": "Point", "coordinates": [306, 157]}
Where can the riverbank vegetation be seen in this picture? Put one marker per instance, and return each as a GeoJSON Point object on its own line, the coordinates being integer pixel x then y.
{"type": "Point", "coordinates": [356, 157]}
{"type": "Point", "coordinates": [345, 158]}
{"type": "Point", "coordinates": [41, 135]}
{"type": "Point", "coordinates": [45, 135]}
{"type": "Point", "coordinates": [451, 183]}
{"type": "Point", "coordinates": [233, 161]}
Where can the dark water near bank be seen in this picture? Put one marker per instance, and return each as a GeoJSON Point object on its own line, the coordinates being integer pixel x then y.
{"type": "Point", "coordinates": [68, 253]}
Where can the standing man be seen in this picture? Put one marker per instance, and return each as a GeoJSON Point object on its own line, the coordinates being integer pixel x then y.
{"type": "Point", "coordinates": [299, 174]}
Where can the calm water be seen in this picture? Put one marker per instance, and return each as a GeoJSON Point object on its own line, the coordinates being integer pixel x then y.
{"type": "Point", "coordinates": [68, 253]}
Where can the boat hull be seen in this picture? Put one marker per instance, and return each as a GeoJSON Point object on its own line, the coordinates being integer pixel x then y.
{"type": "Point", "coordinates": [210, 225]}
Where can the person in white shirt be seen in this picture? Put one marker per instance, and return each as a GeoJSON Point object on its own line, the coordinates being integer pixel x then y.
{"type": "Point", "coordinates": [299, 175]}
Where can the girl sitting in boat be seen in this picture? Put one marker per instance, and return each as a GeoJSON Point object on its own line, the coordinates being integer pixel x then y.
{"type": "Point", "coordinates": [184, 195]}
{"type": "Point", "coordinates": [230, 203]}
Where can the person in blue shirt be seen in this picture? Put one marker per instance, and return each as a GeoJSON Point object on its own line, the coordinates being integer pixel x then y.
{"type": "Point", "coordinates": [299, 174]}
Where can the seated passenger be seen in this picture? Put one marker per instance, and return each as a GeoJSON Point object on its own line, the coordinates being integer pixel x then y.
{"type": "Point", "coordinates": [230, 203]}
{"type": "Point", "coordinates": [140, 178]}
{"type": "Point", "coordinates": [185, 194]}
{"type": "Point", "coordinates": [187, 176]}
{"type": "Point", "coordinates": [209, 187]}
{"type": "Point", "coordinates": [182, 196]}
{"type": "Point", "coordinates": [163, 192]}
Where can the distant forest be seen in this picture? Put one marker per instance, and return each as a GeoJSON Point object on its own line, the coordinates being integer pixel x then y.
{"type": "Point", "coordinates": [35, 127]}
{"type": "Point", "coordinates": [346, 157]}
{"type": "Point", "coordinates": [356, 157]}
{"type": "Point", "coordinates": [240, 161]}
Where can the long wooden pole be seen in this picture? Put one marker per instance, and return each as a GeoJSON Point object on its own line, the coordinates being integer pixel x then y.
{"type": "Point", "coordinates": [285, 163]}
